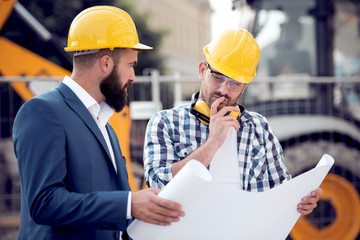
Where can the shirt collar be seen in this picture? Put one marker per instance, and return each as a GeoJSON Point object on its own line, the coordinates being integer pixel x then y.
{"type": "Point", "coordinates": [105, 113]}
{"type": "Point", "coordinates": [99, 111]}
{"type": "Point", "coordinates": [83, 95]}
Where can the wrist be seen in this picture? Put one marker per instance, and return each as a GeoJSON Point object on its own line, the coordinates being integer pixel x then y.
{"type": "Point", "coordinates": [213, 143]}
{"type": "Point", "coordinates": [208, 149]}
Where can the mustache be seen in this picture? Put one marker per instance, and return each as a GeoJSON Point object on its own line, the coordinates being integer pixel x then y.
{"type": "Point", "coordinates": [218, 94]}
{"type": "Point", "coordinates": [127, 84]}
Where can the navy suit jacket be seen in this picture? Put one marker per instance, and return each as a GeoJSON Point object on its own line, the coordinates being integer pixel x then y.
{"type": "Point", "coordinates": [69, 187]}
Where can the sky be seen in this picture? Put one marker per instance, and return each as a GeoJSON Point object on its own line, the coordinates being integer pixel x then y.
{"type": "Point", "coordinates": [223, 16]}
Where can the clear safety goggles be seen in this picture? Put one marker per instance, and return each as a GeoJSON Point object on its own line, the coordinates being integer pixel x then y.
{"type": "Point", "coordinates": [219, 79]}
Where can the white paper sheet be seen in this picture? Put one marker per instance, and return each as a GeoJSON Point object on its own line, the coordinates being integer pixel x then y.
{"type": "Point", "coordinates": [217, 212]}
{"type": "Point", "coordinates": [224, 167]}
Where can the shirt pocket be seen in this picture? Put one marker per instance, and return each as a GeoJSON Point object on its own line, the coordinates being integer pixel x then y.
{"type": "Point", "coordinates": [258, 170]}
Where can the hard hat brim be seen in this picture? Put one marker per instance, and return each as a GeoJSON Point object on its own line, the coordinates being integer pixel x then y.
{"type": "Point", "coordinates": [221, 68]}
{"type": "Point", "coordinates": [142, 47]}
{"type": "Point", "coordinates": [138, 46]}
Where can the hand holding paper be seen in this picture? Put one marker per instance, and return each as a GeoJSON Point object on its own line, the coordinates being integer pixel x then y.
{"type": "Point", "coordinates": [146, 206]}
{"type": "Point", "coordinates": [308, 203]}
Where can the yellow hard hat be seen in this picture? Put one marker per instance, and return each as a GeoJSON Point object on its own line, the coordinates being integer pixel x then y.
{"type": "Point", "coordinates": [103, 27]}
{"type": "Point", "coordinates": [235, 53]}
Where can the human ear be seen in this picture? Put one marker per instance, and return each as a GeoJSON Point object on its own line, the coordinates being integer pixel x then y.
{"type": "Point", "coordinates": [106, 63]}
{"type": "Point", "coordinates": [202, 70]}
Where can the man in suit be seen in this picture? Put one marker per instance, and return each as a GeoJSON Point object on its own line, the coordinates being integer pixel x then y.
{"type": "Point", "coordinates": [74, 182]}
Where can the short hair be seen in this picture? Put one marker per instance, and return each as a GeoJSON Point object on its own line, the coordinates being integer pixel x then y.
{"type": "Point", "coordinates": [88, 60]}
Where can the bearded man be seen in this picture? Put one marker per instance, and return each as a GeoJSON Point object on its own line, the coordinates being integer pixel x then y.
{"type": "Point", "coordinates": [74, 182]}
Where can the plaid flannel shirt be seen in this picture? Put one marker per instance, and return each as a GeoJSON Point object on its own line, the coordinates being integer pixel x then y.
{"type": "Point", "coordinates": [172, 135]}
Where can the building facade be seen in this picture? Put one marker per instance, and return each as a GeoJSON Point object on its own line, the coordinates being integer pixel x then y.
{"type": "Point", "coordinates": [188, 25]}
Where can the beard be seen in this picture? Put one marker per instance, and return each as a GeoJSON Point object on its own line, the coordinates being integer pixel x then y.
{"type": "Point", "coordinates": [115, 95]}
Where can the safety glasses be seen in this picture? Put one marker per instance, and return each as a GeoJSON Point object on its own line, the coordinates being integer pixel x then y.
{"type": "Point", "coordinates": [219, 79]}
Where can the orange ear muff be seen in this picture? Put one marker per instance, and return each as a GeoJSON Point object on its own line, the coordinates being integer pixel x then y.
{"type": "Point", "coordinates": [202, 111]}
{"type": "Point", "coordinates": [234, 114]}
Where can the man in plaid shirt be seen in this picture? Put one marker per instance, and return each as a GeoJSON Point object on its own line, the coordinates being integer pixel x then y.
{"type": "Point", "coordinates": [196, 131]}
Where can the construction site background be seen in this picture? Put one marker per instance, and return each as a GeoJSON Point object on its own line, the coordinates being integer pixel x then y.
{"type": "Point", "coordinates": [307, 85]}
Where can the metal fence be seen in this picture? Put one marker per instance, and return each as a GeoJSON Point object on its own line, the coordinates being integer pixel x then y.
{"type": "Point", "coordinates": [328, 110]}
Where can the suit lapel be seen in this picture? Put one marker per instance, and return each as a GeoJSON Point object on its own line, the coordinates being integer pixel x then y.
{"type": "Point", "coordinates": [78, 107]}
{"type": "Point", "coordinates": [120, 160]}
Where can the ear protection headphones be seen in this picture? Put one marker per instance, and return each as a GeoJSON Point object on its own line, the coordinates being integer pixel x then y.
{"type": "Point", "coordinates": [202, 111]}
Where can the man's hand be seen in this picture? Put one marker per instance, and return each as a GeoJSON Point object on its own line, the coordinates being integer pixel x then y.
{"type": "Point", "coordinates": [148, 207]}
{"type": "Point", "coordinates": [218, 130]}
{"type": "Point", "coordinates": [219, 123]}
{"type": "Point", "coordinates": [308, 204]}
